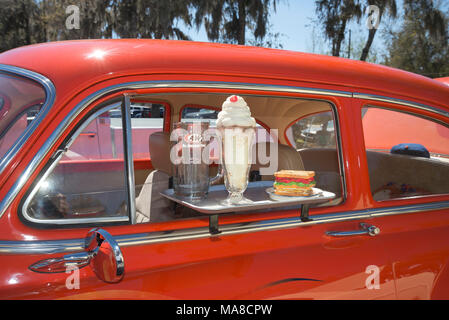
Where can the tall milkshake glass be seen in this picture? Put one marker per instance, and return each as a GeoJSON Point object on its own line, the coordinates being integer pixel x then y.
{"type": "Point", "coordinates": [237, 130]}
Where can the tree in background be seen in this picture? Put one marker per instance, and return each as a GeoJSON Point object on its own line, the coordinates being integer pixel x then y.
{"type": "Point", "coordinates": [25, 22]}
{"type": "Point", "coordinates": [19, 23]}
{"type": "Point", "coordinates": [95, 19]}
{"type": "Point", "coordinates": [152, 19]}
{"type": "Point", "coordinates": [334, 16]}
{"type": "Point", "coordinates": [421, 44]}
{"type": "Point", "coordinates": [229, 20]}
{"type": "Point", "coordinates": [385, 6]}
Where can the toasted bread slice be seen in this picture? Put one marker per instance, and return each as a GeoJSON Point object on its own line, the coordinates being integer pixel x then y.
{"type": "Point", "coordinates": [295, 174]}
{"type": "Point", "coordinates": [294, 192]}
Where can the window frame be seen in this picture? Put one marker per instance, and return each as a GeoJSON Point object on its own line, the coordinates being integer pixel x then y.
{"type": "Point", "coordinates": [50, 97]}
{"type": "Point", "coordinates": [125, 103]}
{"type": "Point", "coordinates": [117, 95]}
{"type": "Point", "coordinates": [412, 111]}
{"type": "Point", "coordinates": [80, 125]}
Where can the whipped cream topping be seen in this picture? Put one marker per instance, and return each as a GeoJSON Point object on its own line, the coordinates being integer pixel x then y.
{"type": "Point", "coordinates": [235, 112]}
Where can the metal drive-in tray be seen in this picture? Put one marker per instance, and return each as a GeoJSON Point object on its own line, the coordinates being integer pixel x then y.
{"type": "Point", "coordinates": [256, 192]}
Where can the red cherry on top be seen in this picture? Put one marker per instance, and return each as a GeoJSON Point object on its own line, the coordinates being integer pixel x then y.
{"type": "Point", "coordinates": [233, 99]}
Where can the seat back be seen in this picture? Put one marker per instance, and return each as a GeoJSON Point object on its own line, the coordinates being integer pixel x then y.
{"type": "Point", "coordinates": [394, 175]}
{"type": "Point", "coordinates": [159, 145]}
{"type": "Point", "coordinates": [288, 158]}
{"type": "Point", "coordinates": [150, 205]}
{"type": "Point", "coordinates": [324, 161]}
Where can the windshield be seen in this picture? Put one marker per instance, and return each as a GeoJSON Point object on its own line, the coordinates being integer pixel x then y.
{"type": "Point", "coordinates": [20, 101]}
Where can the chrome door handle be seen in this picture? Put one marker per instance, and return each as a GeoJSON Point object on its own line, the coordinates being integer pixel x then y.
{"type": "Point", "coordinates": [365, 229]}
{"type": "Point", "coordinates": [101, 252]}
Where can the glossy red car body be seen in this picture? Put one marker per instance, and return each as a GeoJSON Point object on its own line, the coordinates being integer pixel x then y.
{"type": "Point", "coordinates": [296, 262]}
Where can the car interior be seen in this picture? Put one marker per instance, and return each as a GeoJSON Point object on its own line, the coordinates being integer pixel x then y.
{"type": "Point", "coordinates": [387, 171]}
{"type": "Point", "coordinates": [272, 112]}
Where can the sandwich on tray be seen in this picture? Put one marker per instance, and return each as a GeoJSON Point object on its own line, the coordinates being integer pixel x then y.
{"type": "Point", "coordinates": [294, 183]}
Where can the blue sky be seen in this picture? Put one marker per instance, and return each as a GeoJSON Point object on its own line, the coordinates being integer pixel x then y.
{"type": "Point", "coordinates": [289, 19]}
{"type": "Point", "coordinates": [293, 19]}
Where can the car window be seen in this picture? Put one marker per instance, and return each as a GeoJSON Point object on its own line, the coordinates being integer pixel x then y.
{"type": "Point", "coordinates": [407, 155]}
{"type": "Point", "coordinates": [314, 137]}
{"type": "Point", "coordinates": [101, 139]}
{"type": "Point", "coordinates": [88, 182]}
{"type": "Point", "coordinates": [312, 131]}
{"type": "Point", "coordinates": [146, 118]}
{"type": "Point", "coordinates": [21, 100]}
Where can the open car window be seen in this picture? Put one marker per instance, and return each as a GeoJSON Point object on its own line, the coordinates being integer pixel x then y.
{"type": "Point", "coordinates": [88, 183]}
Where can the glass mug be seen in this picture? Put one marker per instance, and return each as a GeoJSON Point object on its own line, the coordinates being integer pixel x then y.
{"type": "Point", "coordinates": [190, 157]}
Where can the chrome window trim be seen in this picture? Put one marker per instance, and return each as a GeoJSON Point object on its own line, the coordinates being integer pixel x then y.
{"type": "Point", "coordinates": [50, 96]}
{"type": "Point", "coordinates": [420, 106]}
{"type": "Point", "coordinates": [74, 245]}
{"type": "Point", "coordinates": [129, 163]}
{"type": "Point", "coordinates": [49, 143]}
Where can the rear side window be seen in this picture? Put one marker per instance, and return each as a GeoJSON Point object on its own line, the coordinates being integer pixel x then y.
{"type": "Point", "coordinates": [314, 137]}
{"type": "Point", "coordinates": [312, 131]}
{"type": "Point", "coordinates": [407, 155]}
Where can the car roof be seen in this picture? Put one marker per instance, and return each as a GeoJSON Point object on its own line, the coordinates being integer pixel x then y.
{"type": "Point", "coordinates": [75, 65]}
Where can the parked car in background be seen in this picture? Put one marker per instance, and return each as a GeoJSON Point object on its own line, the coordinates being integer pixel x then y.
{"type": "Point", "coordinates": [85, 155]}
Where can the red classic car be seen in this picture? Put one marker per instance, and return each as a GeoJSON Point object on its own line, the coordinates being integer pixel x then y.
{"type": "Point", "coordinates": [84, 147]}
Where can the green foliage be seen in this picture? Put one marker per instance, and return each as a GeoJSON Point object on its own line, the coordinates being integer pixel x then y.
{"type": "Point", "coordinates": [421, 44]}
{"type": "Point", "coordinates": [150, 18]}
{"type": "Point", "coordinates": [334, 16]}
{"type": "Point", "coordinates": [229, 21]}
{"type": "Point", "coordinates": [25, 22]}
{"type": "Point", "coordinates": [19, 23]}
{"type": "Point", "coordinates": [385, 6]}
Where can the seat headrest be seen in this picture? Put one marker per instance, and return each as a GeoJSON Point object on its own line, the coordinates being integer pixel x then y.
{"type": "Point", "coordinates": [159, 143]}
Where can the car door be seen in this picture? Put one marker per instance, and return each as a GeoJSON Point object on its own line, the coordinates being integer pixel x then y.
{"type": "Point", "coordinates": [271, 254]}
{"type": "Point", "coordinates": [403, 175]}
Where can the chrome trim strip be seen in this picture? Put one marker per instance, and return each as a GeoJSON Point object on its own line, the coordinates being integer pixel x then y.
{"type": "Point", "coordinates": [72, 245]}
{"type": "Point", "coordinates": [31, 167]}
{"type": "Point", "coordinates": [416, 105]}
{"type": "Point", "coordinates": [127, 143]}
{"type": "Point", "coordinates": [341, 162]}
{"type": "Point", "coordinates": [50, 95]}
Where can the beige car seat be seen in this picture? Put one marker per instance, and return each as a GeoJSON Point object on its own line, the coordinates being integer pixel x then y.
{"type": "Point", "coordinates": [150, 205]}
{"type": "Point", "coordinates": [288, 159]}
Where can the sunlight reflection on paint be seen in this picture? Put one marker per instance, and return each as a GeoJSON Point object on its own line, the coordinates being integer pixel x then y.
{"type": "Point", "coordinates": [97, 54]}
